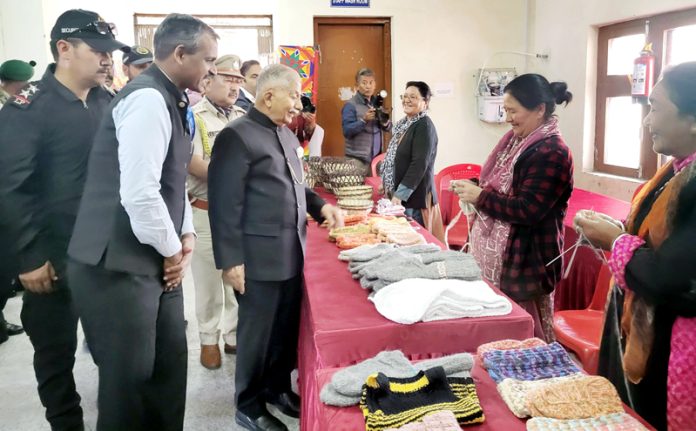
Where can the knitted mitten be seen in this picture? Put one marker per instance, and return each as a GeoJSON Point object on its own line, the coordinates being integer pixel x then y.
{"type": "Point", "coordinates": [459, 364]}
{"type": "Point", "coordinates": [393, 363]}
{"type": "Point", "coordinates": [330, 396]}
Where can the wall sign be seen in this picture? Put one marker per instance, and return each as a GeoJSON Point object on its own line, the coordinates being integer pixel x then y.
{"type": "Point", "coordinates": [350, 3]}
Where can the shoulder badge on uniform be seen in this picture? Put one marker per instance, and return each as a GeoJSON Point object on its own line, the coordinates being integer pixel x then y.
{"type": "Point", "coordinates": [25, 96]}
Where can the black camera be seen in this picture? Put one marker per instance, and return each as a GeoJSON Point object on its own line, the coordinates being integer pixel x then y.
{"type": "Point", "coordinates": [307, 105]}
{"type": "Point", "coordinates": [382, 115]}
{"type": "Point", "coordinates": [379, 99]}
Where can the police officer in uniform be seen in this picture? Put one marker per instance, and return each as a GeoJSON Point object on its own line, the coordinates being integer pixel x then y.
{"type": "Point", "coordinates": [14, 76]}
{"type": "Point", "coordinates": [43, 168]}
{"type": "Point", "coordinates": [216, 306]}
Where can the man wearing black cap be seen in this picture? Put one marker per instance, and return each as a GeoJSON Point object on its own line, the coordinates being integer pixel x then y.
{"type": "Point", "coordinates": [136, 61]}
{"type": "Point", "coordinates": [134, 236]}
{"type": "Point", "coordinates": [43, 168]}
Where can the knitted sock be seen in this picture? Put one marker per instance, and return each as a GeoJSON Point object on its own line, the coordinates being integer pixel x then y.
{"type": "Point", "coordinates": [460, 364]}
{"type": "Point", "coordinates": [515, 392]}
{"type": "Point", "coordinates": [393, 363]}
{"type": "Point", "coordinates": [330, 396]}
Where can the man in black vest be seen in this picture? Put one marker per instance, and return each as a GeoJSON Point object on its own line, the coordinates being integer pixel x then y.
{"type": "Point", "coordinates": [258, 216]}
{"type": "Point", "coordinates": [48, 128]}
{"type": "Point", "coordinates": [134, 236]}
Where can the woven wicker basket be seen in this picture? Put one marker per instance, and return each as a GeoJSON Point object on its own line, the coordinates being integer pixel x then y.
{"type": "Point", "coordinates": [354, 192]}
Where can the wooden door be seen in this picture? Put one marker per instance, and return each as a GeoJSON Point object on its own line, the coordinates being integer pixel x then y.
{"type": "Point", "coordinates": [347, 45]}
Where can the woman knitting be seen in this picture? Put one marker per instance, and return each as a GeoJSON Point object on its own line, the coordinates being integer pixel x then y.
{"type": "Point", "coordinates": [648, 345]}
{"type": "Point", "coordinates": [522, 199]}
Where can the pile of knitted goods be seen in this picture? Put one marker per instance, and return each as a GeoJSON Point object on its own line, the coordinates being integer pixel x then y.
{"type": "Point", "coordinates": [378, 266]}
{"type": "Point", "coordinates": [375, 229]}
{"type": "Point", "coordinates": [392, 392]}
{"type": "Point", "coordinates": [542, 381]}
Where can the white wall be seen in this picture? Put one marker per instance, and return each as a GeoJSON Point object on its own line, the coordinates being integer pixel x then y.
{"type": "Point", "coordinates": [437, 41]}
{"type": "Point", "coordinates": [567, 31]}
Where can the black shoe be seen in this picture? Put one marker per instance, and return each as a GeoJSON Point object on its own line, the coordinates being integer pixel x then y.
{"type": "Point", "coordinates": [265, 422]}
{"type": "Point", "coordinates": [13, 329]}
{"type": "Point", "coordinates": [3, 336]}
{"type": "Point", "coordinates": [287, 402]}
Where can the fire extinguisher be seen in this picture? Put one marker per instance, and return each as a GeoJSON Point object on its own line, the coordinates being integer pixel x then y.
{"type": "Point", "coordinates": [643, 72]}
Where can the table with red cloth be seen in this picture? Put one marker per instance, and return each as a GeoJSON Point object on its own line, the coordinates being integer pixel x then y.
{"type": "Point", "coordinates": [575, 292]}
{"type": "Point", "coordinates": [340, 326]}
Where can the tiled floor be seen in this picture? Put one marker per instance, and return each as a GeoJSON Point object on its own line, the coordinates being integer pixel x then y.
{"type": "Point", "coordinates": [210, 394]}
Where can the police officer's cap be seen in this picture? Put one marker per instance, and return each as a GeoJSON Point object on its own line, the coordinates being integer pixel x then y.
{"type": "Point", "coordinates": [229, 65]}
{"type": "Point", "coordinates": [17, 70]}
{"type": "Point", "coordinates": [137, 55]}
{"type": "Point", "coordinates": [90, 28]}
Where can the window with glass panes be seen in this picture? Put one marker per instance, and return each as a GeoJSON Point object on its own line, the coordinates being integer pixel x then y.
{"type": "Point", "coordinates": [622, 146]}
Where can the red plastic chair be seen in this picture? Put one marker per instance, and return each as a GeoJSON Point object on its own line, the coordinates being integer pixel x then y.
{"type": "Point", "coordinates": [581, 330]}
{"type": "Point", "coordinates": [375, 163]}
{"type": "Point", "coordinates": [449, 201]}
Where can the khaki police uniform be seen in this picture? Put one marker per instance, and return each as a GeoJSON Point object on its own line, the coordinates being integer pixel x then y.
{"type": "Point", "coordinates": [216, 306]}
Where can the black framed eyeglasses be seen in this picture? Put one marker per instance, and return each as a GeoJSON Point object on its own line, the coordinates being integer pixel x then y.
{"type": "Point", "coordinates": [101, 27]}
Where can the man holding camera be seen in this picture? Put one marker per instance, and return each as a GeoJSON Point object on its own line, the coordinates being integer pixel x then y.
{"type": "Point", "coordinates": [364, 119]}
{"type": "Point", "coordinates": [305, 127]}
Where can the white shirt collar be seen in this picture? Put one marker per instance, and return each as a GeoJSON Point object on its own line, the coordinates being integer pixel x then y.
{"type": "Point", "coordinates": [248, 95]}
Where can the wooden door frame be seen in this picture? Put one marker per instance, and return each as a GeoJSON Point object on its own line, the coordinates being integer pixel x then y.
{"type": "Point", "coordinates": [385, 22]}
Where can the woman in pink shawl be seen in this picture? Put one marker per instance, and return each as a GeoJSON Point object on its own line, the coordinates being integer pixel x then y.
{"type": "Point", "coordinates": [522, 199]}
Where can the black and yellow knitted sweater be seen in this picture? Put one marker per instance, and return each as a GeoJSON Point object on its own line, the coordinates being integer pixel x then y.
{"type": "Point", "coordinates": [391, 402]}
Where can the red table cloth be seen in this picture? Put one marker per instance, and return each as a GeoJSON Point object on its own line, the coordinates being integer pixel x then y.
{"type": "Point", "coordinates": [340, 327]}
{"type": "Point", "coordinates": [498, 416]}
{"type": "Point", "coordinates": [575, 292]}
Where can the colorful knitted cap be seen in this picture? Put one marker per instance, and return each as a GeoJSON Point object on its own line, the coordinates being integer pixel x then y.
{"type": "Point", "coordinates": [393, 402]}
{"type": "Point", "coordinates": [613, 422]}
{"type": "Point", "coordinates": [586, 397]}
{"type": "Point", "coordinates": [508, 345]}
{"type": "Point", "coordinates": [536, 363]}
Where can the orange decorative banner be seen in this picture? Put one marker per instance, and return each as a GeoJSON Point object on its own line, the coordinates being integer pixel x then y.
{"type": "Point", "coordinates": [303, 60]}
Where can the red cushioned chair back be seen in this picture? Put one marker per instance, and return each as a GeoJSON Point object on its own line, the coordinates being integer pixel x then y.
{"type": "Point", "coordinates": [449, 201]}
{"type": "Point", "coordinates": [599, 297]}
{"type": "Point", "coordinates": [375, 164]}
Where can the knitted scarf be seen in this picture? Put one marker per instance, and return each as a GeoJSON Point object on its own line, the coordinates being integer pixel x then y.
{"type": "Point", "coordinates": [398, 132]}
{"type": "Point", "coordinates": [638, 314]}
{"type": "Point", "coordinates": [489, 236]}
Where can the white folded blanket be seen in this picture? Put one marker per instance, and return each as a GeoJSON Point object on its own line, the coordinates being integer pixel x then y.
{"type": "Point", "coordinates": [415, 299]}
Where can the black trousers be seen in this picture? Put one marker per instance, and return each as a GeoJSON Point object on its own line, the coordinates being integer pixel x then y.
{"type": "Point", "coordinates": [267, 334]}
{"type": "Point", "coordinates": [136, 334]}
{"type": "Point", "coordinates": [51, 323]}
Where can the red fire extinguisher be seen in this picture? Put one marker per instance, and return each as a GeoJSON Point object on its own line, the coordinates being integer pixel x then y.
{"type": "Point", "coordinates": [643, 72]}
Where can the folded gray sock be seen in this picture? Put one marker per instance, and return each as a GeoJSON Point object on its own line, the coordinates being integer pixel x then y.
{"type": "Point", "coordinates": [420, 248]}
{"type": "Point", "coordinates": [458, 365]}
{"type": "Point", "coordinates": [349, 381]}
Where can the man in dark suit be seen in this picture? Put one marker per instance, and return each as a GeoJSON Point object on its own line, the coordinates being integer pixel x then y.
{"type": "Point", "coordinates": [247, 93]}
{"type": "Point", "coordinates": [258, 206]}
{"type": "Point", "coordinates": [134, 236]}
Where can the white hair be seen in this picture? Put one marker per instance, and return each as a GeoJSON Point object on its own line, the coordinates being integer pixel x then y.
{"type": "Point", "coordinates": [276, 76]}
